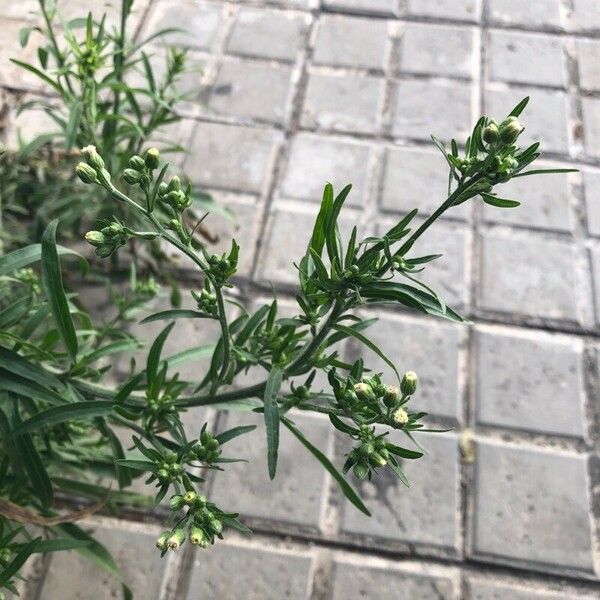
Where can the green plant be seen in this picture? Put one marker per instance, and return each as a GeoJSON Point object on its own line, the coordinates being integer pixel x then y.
{"type": "Point", "coordinates": [60, 424]}
{"type": "Point", "coordinates": [91, 72]}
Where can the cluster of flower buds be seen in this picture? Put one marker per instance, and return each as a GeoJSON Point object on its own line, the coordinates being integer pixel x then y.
{"type": "Point", "coordinates": [173, 196]}
{"type": "Point", "coordinates": [206, 301]}
{"type": "Point", "coordinates": [207, 448]}
{"type": "Point", "coordinates": [170, 470]}
{"type": "Point", "coordinates": [29, 277]}
{"type": "Point", "coordinates": [139, 171]}
{"type": "Point", "coordinates": [146, 289]}
{"type": "Point", "coordinates": [109, 238]}
{"type": "Point", "coordinates": [222, 267]}
{"type": "Point", "coordinates": [93, 170]}
{"type": "Point", "coordinates": [370, 454]}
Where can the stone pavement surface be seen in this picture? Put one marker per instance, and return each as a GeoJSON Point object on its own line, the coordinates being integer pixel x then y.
{"type": "Point", "coordinates": [288, 94]}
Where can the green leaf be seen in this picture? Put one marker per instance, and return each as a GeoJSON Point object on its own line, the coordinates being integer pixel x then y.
{"type": "Point", "coordinates": [339, 424]}
{"type": "Point", "coordinates": [175, 313]}
{"type": "Point", "coordinates": [271, 414]}
{"type": "Point", "coordinates": [499, 202]}
{"type": "Point", "coordinates": [317, 241]}
{"type": "Point", "coordinates": [11, 382]}
{"type": "Point", "coordinates": [55, 293]}
{"type": "Point", "coordinates": [76, 110]}
{"type": "Point", "coordinates": [14, 312]}
{"type": "Point", "coordinates": [545, 171]}
{"type": "Point", "coordinates": [60, 544]}
{"type": "Point", "coordinates": [137, 465]}
{"type": "Point", "coordinates": [18, 561]}
{"type": "Point", "coordinates": [403, 452]}
{"type": "Point", "coordinates": [28, 370]}
{"type": "Point", "coordinates": [344, 485]}
{"type": "Point", "coordinates": [396, 468]}
{"type": "Point", "coordinates": [23, 257]}
{"type": "Point", "coordinates": [230, 434]}
{"type": "Point", "coordinates": [155, 351]}
{"type": "Point", "coordinates": [41, 75]}
{"type": "Point", "coordinates": [519, 108]}
{"type": "Point", "coordinates": [67, 412]}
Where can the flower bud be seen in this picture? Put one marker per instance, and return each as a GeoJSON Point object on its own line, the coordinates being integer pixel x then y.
{"type": "Point", "coordinates": [198, 537]}
{"type": "Point", "coordinates": [176, 539]}
{"type": "Point", "coordinates": [491, 134]}
{"type": "Point", "coordinates": [391, 396]}
{"type": "Point", "coordinates": [360, 470]}
{"type": "Point", "coordinates": [215, 526]}
{"type": "Point", "coordinates": [189, 497]}
{"type": "Point", "coordinates": [177, 502]}
{"type": "Point", "coordinates": [163, 475]}
{"type": "Point", "coordinates": [161, 540]}
{"type": "Point", "coordinates": [131, 176]}
{"type": "Point", "coordinates": [137, 163]}
{"type": "Point", "coordinates": [95, 238]}
{"type": "Point", "coordinates": [400, 416]}
{"type": "Point", "coordinates": [92, 158]}
{"type": "Point", "coordinates": [104, 251]}
{"type": "Point", "coordinates": [510, 129]}
{"type": "Point", "coordinates": [377, 460]}
{"type": "Point", "coordinates": [408, 386]}
{"type": "Point", "coordinates": [86, 173]}
{"type": "Point", "coordinates": [152, 158]}
{"type": "Point", "coordinates": [103, 177]}
{"type": "Point", "coordinates": [174, 184]}
{"type": "Point", "coordinates": [365, 392]}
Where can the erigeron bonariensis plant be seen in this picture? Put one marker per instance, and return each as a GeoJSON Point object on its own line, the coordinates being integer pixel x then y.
{"type": "Point", "coordinates": [70, 424]}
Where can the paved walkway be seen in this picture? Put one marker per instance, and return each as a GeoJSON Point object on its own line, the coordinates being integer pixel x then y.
{"type": "Point", "coordinates": [290, 94]}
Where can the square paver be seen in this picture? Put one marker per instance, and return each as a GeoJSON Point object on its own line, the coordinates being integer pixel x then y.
{"type": "Point", "coordinates": [370, 7]}
{"type": "Point", "coordinates": [358, 582]}
{"type": "Point", "coordinates": [467, 10]}
{"type": "Point", "coordinates": [545, 118]}
{"type": "Point", "coordinates": [442, 50]}
{"type": "Point", "coordinates": [486, 590]}
{"type": "Point", "coordinates": [417, 177]}
{"type": "Point", "coordinates": [215, 147]}
{"type": "Point", "coordinates": [585, 15]}
{"type": "Point", "coordinates": [528, 58]}
{"type": "Point", "coordinates": [531, 381]}
{"type": "Point", "coordinates": [342, 103]}
{"type": "Point", "coordinates": [426, 107]}
{"type": "Point", "coordinates": [344, 41]}
{"type": "Point", "coordinates": [545, 203]}
{"type": "Point", "coordinates": [434, 480]}
{"type": "Point", "coordinates": [531, 276]}
{"type": "Point", "coordinates": [241, 89]}
{"type": "Point", "coordinates": [533, 14]}
{"type": "Point", "coordinates": [588, 60]}
{"type": "Point", "coordinates": [199, 22]}
{"type": "Point", "coordinates": [314, 160]}
{"type": "Point", "coordinates": [295, 495]}
{"type": "Point", "coordinates": [591, 122]}
{"type": "Point", "coordinates": [267, 33]}
{"type": "Point", "coordinates": [229, 572]}
{"type": "Point", "coordinates": [531, 506]}
{"type": "Point", "coordinates": [431, 348]}
{"type": "Point", "coordinates": [591, 183]}
{"type": "Point", "coordinates": [70, 574]}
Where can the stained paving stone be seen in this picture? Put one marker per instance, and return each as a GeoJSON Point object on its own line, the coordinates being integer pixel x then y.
{"type": "Point", "coordinates": [469, 10]}
{"type": "Point", "coordinates": [356, 582]}
{"type": "Point", "coordinates": [588, 59]}
{"type": "Point", "coordinates": [371, 7]}
{"type": "Point", "coordinates": [70, 574]}
{"type": "Point", "coordinates": [591, 183]}
{"type": "Point", "coordinates": [443, 50]}
{"type": "Point", "coordinates": [486, 590]}
{"type": "Point", "coordinates": [531, 507]}
{"type": "Point", "coordinates": [530, 276]}
{"type": "Point", "coordinates": [342, 103]}
{"type": "Point", "coordinates": [591, 121]}
{"type": "Point", "coordinates": [424, 107]}
{"type": "Point", "coordinates": [434, 480]}
{"type": "Point", "coordinates": [545, 204]}
{"type": "Point", "coordinates": [513, 12]}
{"type": "Point", "coordinates": [314, 160]}
{"type": "Point", "coordinates": [231, 572]}
{"type": "Point", "coordinates": [295, 496]}
{"type": "Point", "coordinates": [416, 178]}
{"type": "Point", "coordinates": [241, 88]}
{"type": "Point", "coordinates": [528, 58]}
{"type": "Point", "coordinates": [513, 367]}
{"type": "Point", "coordinates": [585, 15]}
{"type": "Point", "coordinates": [344, 41]}
{"type": "Point", "coordinates": [267, 33]}
{"type": "Point", "coordinates": [214, 147]}
{"type": "Point", "coordinates": [546, 117]}
{"type": "Point", "coordinates": [428, 346]}
{"type": "Point", "coordinates": [198, 20]}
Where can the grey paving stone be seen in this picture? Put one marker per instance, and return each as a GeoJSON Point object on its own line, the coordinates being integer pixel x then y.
{"type": "Point", "coordinates": [531, 381]}
{"type": "Point", "coordinates": [596, 277]}
{"type": "Point", "coordinates": [528, 58]}
{"type": "Point", "coordinates": [241, 89]}
{"type": "Point", "coordinates": [533, 277]}
{"type": "Point", "coordinates": [545, 118]}
{"type": "Point", "coordinates": [214, 148]}
{"type": "Point", "coordinates": [531, 507]}
{"type": "Point", "coordinates": [371, 7]}
{"type": "Point", "coordinates": [586, 15]}
{"type": "Point", "coordinates": [198, 20]}
{"type": "Point", "coordinates": [591, 122]}
{"type": "Point", "coordinates": [545, 203]}
{"type": "Point", "coordinates": [416, 177]}
{"type": "Point", "coordinates": [314, 160]}
{"type": "Point", "coordinates": [300, 4]}
{"type": "Point", "coordinates": [434, 480]}
{"type": "Point", "coordinates": [424, 107]}
{"type": "Point", "coordinates": [232, 572]}
{"type": "Point", "coordinates": [343, 103]}
{"type": "Point", "coordinates": [357, 582]}
{"type": "Point", "coordinates": [469, 10]}
{"type": "Point", "coordinates": [267, 33]}
{"type": "Point", "coordinates": [486, 590]}
{"type": "Point", "coordinates": [588, 59]}
{"type": "Point", "coordinates": [295, 495]}
{"type": "Point", "coordinates": [591, 183]}
{"type": "Point", "coordinates": [534, 14]}
{"type": "Point", "coordinates": [443, 50]}
{"type": "Point", "coordinates": [70, 575]}
{"type": "Point", "coordinates": [429, 347]}
{"type": "Point", "coordinates": [344, 41]}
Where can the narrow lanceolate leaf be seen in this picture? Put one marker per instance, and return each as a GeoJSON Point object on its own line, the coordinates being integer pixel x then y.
{"type": "Point", "coordinates": [176, 313]}
{"type": "Point", "coordinates": [230, 434]}
{"type": "Point", "coordinates": [18, 365]}
{"type": "Point", "coordinates": [18, 561]}
{"type": "Point", "coordinates": [76, 110]}
{"type": "Point", "coordinates": [28, 255]}
{"type": "Point", "coordinates": [344, 485]}
{"type": "Point", "coordinates": [272, 418]}
{"type": "Point", "coordinates": [545, 171]}
{"type": "Point", "coordinates": [519, 108]}
{"type": "Point", "coordinates": [317, 240]}
{"type": "Point", "coordinates": [349, 331]}
{"type": "Point", "coordinates": [55, 292]}
{"type": "Point", "coordinates": [27, 388]}
{"type": "Point", "coordinates": [155, 352]}
{"type": "Point", "coordinates": [499, 202]}
{"type": "Point", "coordinates": [66, 412]}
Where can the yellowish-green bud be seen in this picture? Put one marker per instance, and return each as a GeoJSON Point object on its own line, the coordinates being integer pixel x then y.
{"type": "Point", "coordinates": [176, 539]}
{"type": "Point", "coordinates": [491, 133]}
{"type": "Point", "coordinates": [92, 158]}
{"type": "Point", "coordinates": [131, 176]}
{"type": "Point", "coordinates": [377, 460]}
{"type": "Point", "coordinates": [190, 497]}
{"type": "Point", "coordinates": [174, 184]}
{"type": "Point", "coordinates": [198, 537]}
{"type": "Point", "coordinates": [176, 502]}
{"type": "Point", "coordinates": [360, 470]}
{"type": "Point", "coordinates": [161, 540]}
{"type": "Point", "coordinates": [86, 173]}
{"type": "Point", "coordinates": [400, 416]}
{"type": "Point", "coordinates": [510, 129]}
{"type": "Point", "coordinates": [95, 238]}
{"type": "Point", "coordinates": [137, 163]}
{"type": "Point", "coordinates": [152, 159]}
{"type": "Point", "coordinates": [391, 396]}
{"type": "Point", "coordinates": [408, 386]}
{"type": "Point", "coordinates": [365, 392]}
